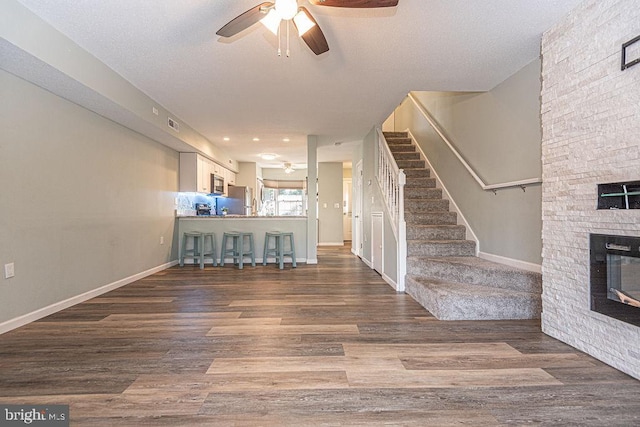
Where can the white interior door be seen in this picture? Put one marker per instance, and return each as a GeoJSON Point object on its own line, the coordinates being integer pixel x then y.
{"type": "Point", "coordinates": [357, 210]}
{"type": "Point", "coordinates": [347, 212]}
{"type": "Point", "coordinates": [376, 241]}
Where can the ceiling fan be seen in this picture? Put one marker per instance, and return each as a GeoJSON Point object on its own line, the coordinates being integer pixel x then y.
{"type": "Point", "coordinates": [273, 13]}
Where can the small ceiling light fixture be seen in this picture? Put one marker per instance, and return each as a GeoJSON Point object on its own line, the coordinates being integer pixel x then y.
{"type": "Point", "coordinates": [268, 156]}
{"type": "Point", "coordinates": [256, 139]}
{"type": "Point", "coordinates": [226, 138]}
{"type": "Point", "coordinates": [288, 167]}
{"type": "Point", "coordinates": [286, 139]}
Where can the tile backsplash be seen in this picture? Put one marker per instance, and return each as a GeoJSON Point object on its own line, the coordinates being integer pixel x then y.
{"type": "Point", "coordinates": [187, 203]}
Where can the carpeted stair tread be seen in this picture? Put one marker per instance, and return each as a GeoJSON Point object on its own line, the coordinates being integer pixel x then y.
{"type": "Point", "coordinates": [402, 148]}
{"type": "Point", "coordinates": [426, 205]}
{"type": "Point", "coordinates": [418, 174]}
{"type": "Point", "coordinates": [475, 271]}
{"type": "Point", "coordinates": [431, 218]}
{"type": "Point", "coordinates": [441, 248]}
{"type": "Point", "coordinates": [460, 301]}
{"type": "Point", "coordinates": [388, 134]}
{"type": "Point", "coordinates": [411, 193]}
{"type": "Point", "coordinates": [406, 155]}
{"type": "Point", "coordinates": [436, 232]}
{"type": "Point", "coordinates": [411, 164]}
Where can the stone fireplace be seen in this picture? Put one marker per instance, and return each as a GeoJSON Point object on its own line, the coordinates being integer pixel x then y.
{"type": "Point", "coordinates": [590, 136]}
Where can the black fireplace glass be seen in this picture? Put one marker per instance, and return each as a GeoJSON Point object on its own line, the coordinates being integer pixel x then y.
{"type": "Point", "coordinates": [615, 276]}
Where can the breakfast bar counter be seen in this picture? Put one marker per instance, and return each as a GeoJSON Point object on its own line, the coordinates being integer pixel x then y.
{"type": "Point", "coordinates": [258, 225]}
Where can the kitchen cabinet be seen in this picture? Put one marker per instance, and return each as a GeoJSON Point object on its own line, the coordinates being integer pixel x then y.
{"type": "Point", "coordinates": [229, 179]}
{"type": "Point", "coordinates": [196, 171]}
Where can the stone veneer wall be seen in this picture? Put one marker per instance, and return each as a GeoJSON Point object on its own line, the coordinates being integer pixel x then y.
{"type": "Point", "coordinates": [591, 135]}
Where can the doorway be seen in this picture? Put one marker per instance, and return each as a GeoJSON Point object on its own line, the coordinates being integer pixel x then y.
{"type": "Point", "coordinates": [377, 250]}
{"type": "Point", "coordinates": [347, 209]}
{"type": "Point", "coordinates": [357, 210]}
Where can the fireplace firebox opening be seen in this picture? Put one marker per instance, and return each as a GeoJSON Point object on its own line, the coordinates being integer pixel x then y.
{"type": "Point", "coordinates": [615, 276]}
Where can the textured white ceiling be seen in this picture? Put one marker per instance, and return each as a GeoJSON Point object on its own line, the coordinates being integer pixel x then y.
{"type": "Point", "coordinates": [239, 88]}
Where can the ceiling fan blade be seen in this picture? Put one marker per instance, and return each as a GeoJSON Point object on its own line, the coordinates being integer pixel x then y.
{"type": "Point", "coordinates": [314, 37]}
{"type": "Point", "coordinates": [245, 20]}
{"type": "Point", "coordinates": [355, 3]}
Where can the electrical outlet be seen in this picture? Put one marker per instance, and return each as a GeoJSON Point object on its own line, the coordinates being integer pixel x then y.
{"type": "Point", "coordinates": [162, 240]}
{"type": "Point", "coordinates": [9, 271]}
{"type": "Point", "coordinates": [155, 111]}
{"type": "Point", "coordinates": [336, 205]}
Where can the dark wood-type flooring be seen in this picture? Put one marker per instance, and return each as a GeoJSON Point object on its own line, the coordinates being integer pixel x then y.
{"type": "Point", "coordinates": [327, 344]}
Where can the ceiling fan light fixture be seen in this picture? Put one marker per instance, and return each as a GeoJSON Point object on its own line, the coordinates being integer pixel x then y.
{"type": "Point", "coordinates": [288, 168]}
{"type": "Point", "coordinates": [286, 9]}
{"type": "Point", "coordinates": [272, 21]}
{"type": "Point", "coordinates": [303, 22]}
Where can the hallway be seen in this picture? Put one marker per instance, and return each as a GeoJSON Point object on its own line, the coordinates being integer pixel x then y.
{"type": "Point", "coordinates": [327, 344]}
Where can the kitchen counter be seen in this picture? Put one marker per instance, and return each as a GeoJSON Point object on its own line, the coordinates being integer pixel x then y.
{"type": "Point", "coordinates": [258, 225]}
{"type": "Point", "coordinates": [238, 217]}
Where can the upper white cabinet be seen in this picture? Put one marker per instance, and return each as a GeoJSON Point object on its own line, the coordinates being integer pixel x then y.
{"type": "Point", "coordinates": [196, 171]}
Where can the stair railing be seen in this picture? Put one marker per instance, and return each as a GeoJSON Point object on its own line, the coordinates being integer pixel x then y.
{"type": "Point", "coordinates": [392, 180]}
{"type": "Point", "coordinates": [493, 187]}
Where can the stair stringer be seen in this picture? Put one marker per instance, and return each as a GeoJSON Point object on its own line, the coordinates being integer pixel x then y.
{"type": "Point", "coordinates": [453, 207]}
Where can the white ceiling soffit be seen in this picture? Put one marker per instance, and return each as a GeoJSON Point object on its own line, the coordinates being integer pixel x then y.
{"type": "Point", "coordinates": [239, 88]}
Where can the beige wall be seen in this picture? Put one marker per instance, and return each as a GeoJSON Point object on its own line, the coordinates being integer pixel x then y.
{"type": "Point", "coordinates": [591, 135]}
{"type": "Point", "coordinates": [36, 51]}
{"type": "Point", "coordinates": [498, 133]}
{"type": "Point", "coordinates": [85, 201]}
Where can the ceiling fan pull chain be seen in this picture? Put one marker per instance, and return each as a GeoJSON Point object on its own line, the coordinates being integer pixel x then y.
{"type": "Point", "coordinates": [288, 51]}
{"type": "Point", "coordinates": [279, 40]}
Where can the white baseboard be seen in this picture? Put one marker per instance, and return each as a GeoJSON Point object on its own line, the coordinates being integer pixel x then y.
{"type": "Point", "coordinates": [367, 262]}
{"type": "Point", "coordinates": [312, 261]}
{"type": "Point", "coordinates": [390, 281]}
{"type": "Point", "coordinates": [331, 244]}
{"type": "Point", "coordinates": [523, 265]}
{"type": "Point", "coordinates": [61, 305]}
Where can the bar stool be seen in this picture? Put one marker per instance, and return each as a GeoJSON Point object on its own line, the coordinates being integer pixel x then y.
{"type": "Point", "coordinates": [275, 238]}
{"type": "Point", "coordinates": [279, 250]}
{"type": "Point", "coordinates": [238, 250]}
{"type": "Point", "coordinates": [199, 250]}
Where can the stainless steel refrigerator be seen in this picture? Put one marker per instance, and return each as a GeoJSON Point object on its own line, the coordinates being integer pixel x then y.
{"type": "Point", "coordinates": [239, 201]}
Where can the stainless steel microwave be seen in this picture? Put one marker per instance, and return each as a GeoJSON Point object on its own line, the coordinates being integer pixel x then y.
{"type": "Point", "coordinates": [217, 184]}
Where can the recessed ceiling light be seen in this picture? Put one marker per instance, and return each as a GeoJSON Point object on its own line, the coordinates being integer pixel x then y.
{"type": "Point", "coordinates": [268, 156]}
{"type": "Point", "coordinates": [286, 139]}
{"type": "Point", "coordinates": [256, 139]}
{"type": "Point", "coordinates": [226, 138]}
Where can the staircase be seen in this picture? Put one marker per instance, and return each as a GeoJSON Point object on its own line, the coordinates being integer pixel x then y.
{"type": "Point", "coordinates": [443, 273]}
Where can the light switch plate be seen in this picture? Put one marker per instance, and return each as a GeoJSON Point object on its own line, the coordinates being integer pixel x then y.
{"type": "Point", "coordinates": [9, 271]}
